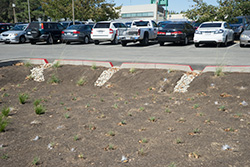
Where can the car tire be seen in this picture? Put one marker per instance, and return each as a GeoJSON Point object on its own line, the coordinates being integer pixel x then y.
{"type": "Point", "coordinates": [22, 39]}
{"type": "Point", "coordinates": [115, 41]}
{"type": "Point", "coordinates": [185, 42]}
{"type": "Point", "coordinates": [86, 40]}
{"type": "Point", "coordinates": [196, 45]}
{"type": "Point", "coordinates": [32, 42]}
{"type": "Point", "coordinates": [124, 43]}
{"type": "Point", "coordinates": [50, 40]}
{"type": "Point", "coordinates": [145, 42]}
{"type": "Point", "coordinates": [161, 43]}
{"type": "Point", "coordinates": [96, 42]}
{"type": "Point", "coordinates": [67, 43]}
{"type": "Point", "coordinates": [225, 43]}
{"type": "Point", "coordinates": [242, 45]}
{"type": "Point", "coordinates": [6, 42]}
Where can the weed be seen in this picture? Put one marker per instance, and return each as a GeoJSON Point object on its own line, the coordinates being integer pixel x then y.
{"type": "Point", "coordinates": [172, 165]}
{"type": "Point", "coordinates": [111, 147]}
{"type": "Point", "coordinates": [74, 98]}
{"type": "Point", "coordinates": [132, 70]}
{"type": "Point", "coordinates": [144, 140]}
{"type": "Point", "coordinates": [39, 109]}
{"type": "Point", "coordinates": [87, 105]}
{"type": "Point", "coordinates": [62, 103]}
{"type": "Point", "coordinates": [196, 130]}
{"type": "Point", "coordinates": [218, 72]}
{"type": "Point", "coordinates": [130, 114]}
{"type": "Point", "coordinates": [35, 89]}
{"type": "Point", "coordinates": [199, 114]}
{"type": "Point", "coordinates": [115, 106]}
{"type": "Point", "coordinates": [196, 106]}
{"type": "Point", "coordinates": [5, 95]}
{"type": "Point", "coordinates": [5, 111]}
{"type": "Point", "coordinates": [54, 79]}
{"type": "Point", "coordinates": [222, 108]}
{"type": "Point", "coordinates": [3, 123]}
{"type": "Point", "coordinates": [111, 133]}
{"type": "Point", "coordinates": [80, 156]}
{"type": "Point", "coordinates": [57, 64]}
{"type": "Point", "coordinates": [208, 121]}
{"type": "Point", "coordinates": [231, 130]}
{"type": "Point", "coordinates": [93, 67]}
{"type": "Point", "coordinates": [152, 119]}
{"type": "Point", "coordinates": [122, 123]}
{"type": "Point", "coordinates": [66, 116]}
{"type": "Point", "coordinates": [167, 110]}
{"type": "Point", "coordinates": [126, 102]}
{"type": "Point", "coordinates": [23, 98]}
{"type": "Point", "coordinates": [92, 127]}
{"type": "Point", "coordinates": [76, 137]}
{"type": "Point", "coordinates": [4, 156]}
{"type": "Point", "coordinates": [141, 151]}
{"type": "Point", "coordinates": [178, 141]}
{"type": "Point", "coordinates": [37, 102]}
{"type": "Point", "coordinates": [102, 100]}
{"type": "Point", "coordinates": [81, 82]}
{"type": "Point", "coordinates": [27, 64]}
{"type": "Point", "coordinates": [142, 109]}
{"type": "Point", "coordinates": [36, 161]}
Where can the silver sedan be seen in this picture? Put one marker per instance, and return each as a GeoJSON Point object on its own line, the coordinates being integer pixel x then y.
{"type": "Point", "coordinates": [245, 37]}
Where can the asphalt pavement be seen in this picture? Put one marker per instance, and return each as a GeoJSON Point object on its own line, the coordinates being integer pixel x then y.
{"type": "Point", "coordinates": [198, 58]}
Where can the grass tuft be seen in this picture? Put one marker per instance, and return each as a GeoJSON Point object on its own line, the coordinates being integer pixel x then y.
{"type": "Point", "coordinates": [23, 98]}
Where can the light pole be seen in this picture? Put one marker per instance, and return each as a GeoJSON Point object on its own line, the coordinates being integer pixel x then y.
{"type": "Point", "coordinates": [73, 11]}
{"type": "Point", "coordinates": [14, 12]}
{"type": "Point", "coordinates": [29, 10]}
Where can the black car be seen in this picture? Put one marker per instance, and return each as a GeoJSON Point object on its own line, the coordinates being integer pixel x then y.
{"type": "Point", "coordinates": [177, 32]}
{"type": "Point", "coordinates": [49, 32]}
{"type": "Point", "coordinates": [77, 33]}
{"type": "Point", "coordinates": [5, 27]}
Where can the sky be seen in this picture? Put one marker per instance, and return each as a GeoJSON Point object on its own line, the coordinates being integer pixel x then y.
{"type": "Point", "coordinates": [173, 5]}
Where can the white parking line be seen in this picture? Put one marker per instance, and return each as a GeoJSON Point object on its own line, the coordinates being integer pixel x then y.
{"type": "Point", "coordinates": [236, 44]}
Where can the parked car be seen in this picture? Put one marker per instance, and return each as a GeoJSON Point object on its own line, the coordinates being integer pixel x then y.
{"type": "Point", "coordinates": [162, 23]}
{"type": "Point", "coordinates": [77, 33]}
{"type": "Point", "coordinates": [128, 24]}
{"type": "Point", "coordinates": [245, 37]}
{"type": "Point", "coordinates": [66, 24]}
{"type": "Point", "coordinates": [176, 32]}
{"type": "Point", "coordinates": [49, 32]}
{"type": "Point", "coordinates": [5, 27]}
{"type": "Point", "coordinates": [107, 31]}
{"type": "Point", "coordinates": [241, 22]}
{"type": "Point", "coordinates": [195, 25]}
{"type": "Point", "coordinates": [142, 31]}
{"type": "Point", "coordinates": [15, 34]}
{"type": "Point", "coordinates": [214, 32]}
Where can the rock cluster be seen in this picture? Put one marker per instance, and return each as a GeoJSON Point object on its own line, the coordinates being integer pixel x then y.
{"type": "Point", "coordinates": [37, 72]}
{"type": "Point", "coordinates": [183, 83]}
{"type": "Point", "coordinates": [105, 76]}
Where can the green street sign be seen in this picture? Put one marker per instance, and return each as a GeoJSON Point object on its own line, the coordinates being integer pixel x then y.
{"type": "Point", "coordinates": [160, 2]}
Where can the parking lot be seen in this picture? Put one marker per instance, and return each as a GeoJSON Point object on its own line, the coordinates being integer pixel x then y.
{"type": "Point", "coordinates": [170, 53]}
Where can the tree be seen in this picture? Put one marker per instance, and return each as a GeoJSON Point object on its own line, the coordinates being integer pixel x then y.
{"type": "Point", "coordinates": [6, 11]}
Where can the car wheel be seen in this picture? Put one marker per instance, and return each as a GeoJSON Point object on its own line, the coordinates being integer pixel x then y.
{"type": "Point", "coordinates": [124, 43]}
{"type": "Point", "coordinates": [6, 42]}
{"type": "Point", "coordinates": [67, 43]}
{"type": "Point", "coordinates": [145, 42]}
{"type": "Point", "coordinates": [50, 40]}
{"type": "Point", "coordinates": [225, 43]}
{"type": "Point", "coordinates": [196, 45]}
{"type": "Point", "coordinates": [115, 41]}
{"type": "Point", "coordinates": [32, 42]}
{"type": "Point", "coordinates": [161, 43]}
{"type": "Point", "coordinates": [22, 39]}
{"type": "Point", "coordinates": [96, 42]}
{"type": "Point", "coordinates": [185, 41]}
{"type": "Point", "coordinates": [86, 39]}
{"type": "Point", "coordinates": [242, 45]}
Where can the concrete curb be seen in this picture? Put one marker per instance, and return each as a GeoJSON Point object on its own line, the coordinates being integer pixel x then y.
{"type": "Point", "coordinates": [187, 68]}
{"type": "Point", "coordinates": [245, 69]}
{"type": "Point", "coordinates": [83, 62]}
{"type": "Point", "coordinates": [37, 61]}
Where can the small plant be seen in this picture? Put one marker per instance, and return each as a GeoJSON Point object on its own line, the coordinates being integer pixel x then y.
{"type": "Point", "coordinates": [152, 119]}
{"type": "Point", "coordinates": [141, 151]}
{"type": "Point", "coordinates": [199, 114]}
{"type": "Point", "coordinates": [37, 102]}
{"type": "Point", "coordinates": [142, 109]}
{"type": "Point", "coordinates": [111, 133]}
{"type": "Point", "coordinates": [3, 122]}
{"type": "Point", "coordinates": [115, 106]}
{"type": "Point", "coordinates": [126, 102]}
{"type": "Point", "coordinates": [39, 109]}
{"type": "Point", "coordinates": [222, 108]}
{"type": "Point", "coordinates": [80, 156]}
{"type": "Point", "coordinates": [74, 98]}
{"type": "Point", "coordinates": [57, 64]}
{"type": "Point", "coordinates": [218, 72]}
{"type": "Point", "coordinates": [144, 140]}
{"type": "Point", "coordinates": [109, 147]}
{"type": "Point", "coordinates": [5, 111]}
{"type": "Point", "coordinates": [167, 110]}
{"type": "Point", "coordinates": [87, 105]}
{"type": "Point", "coordinates": [27, 64]}
{"type": "Point", "coordinates": [93, 67]}
{"type": "Point", "coordinates": [66, 116]}
{"type": "Point", "coordinates": [34, 89]}
{"type": "Point", "coordinates": [23, 98]}
{"type": "Point", "coordinates": [122, 123]}
{"type": "Point", "coordinates": [231, 130]}
{"type": "Point", "coordinates": [102, 100]}
{"type": "Point", "coordinates": [36, 161]}
{"type": "Point", "coordinates": [196, 130]}
{"type": "Point", "coordinates": [76, 137]}
{"type": "Point", "coordinates": [92, 127]}
{"type": "Point", "coordinates": [132, 70]}
{"type": "Point", "coordinates": [5, 95]}
{"type": "Point", "coordinates": [62, 103]}
{"type": "Point", "coordinates": [4, 156]}
{"type": "Point", "coordinates": [178, 141]}
{"type": "Point", "coordinates": [208, 121]}
{"type": "Point", "coordinates": [54, 79]}
{"type": "Point", "coordinates": [81, 82]}
{"type": "Point", "coordinates": [196, 106]}
{"type": "Point", "coordinates": [172, 165]}
{"type": "Point", "coordinates": [130, 114]}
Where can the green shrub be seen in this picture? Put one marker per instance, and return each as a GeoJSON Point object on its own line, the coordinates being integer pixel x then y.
{"type": "Point", "coordinates": [81, 82]}
{"type": "Point", "coordinates": [39, 109]}
{"type": "Point", "coordinates": [6, 111]}
{"type": "Point", "coordinates": [23, 98]}
{"type": "Point", "coordinates": [3, 122]}
{"type": "Point", "coordinates": [37, 102]}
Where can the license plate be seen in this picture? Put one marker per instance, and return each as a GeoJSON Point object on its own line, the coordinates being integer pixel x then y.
{"type": "Point", "coordinates": [168, 33]}
{"type": "Point", "coordinates": [28, 32]}
{"type": "Point", "coordinates": [33, 32]}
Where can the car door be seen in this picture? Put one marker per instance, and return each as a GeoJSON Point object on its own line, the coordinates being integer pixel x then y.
{"type": "Point", "coordinates": [155, 30]}
{"type": "Point", "coordinates": [229, 32]}
{"type": "Point", "coordinates": [122, 29]}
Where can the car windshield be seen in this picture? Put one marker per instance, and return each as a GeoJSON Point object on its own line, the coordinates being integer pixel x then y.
{"type": "Point", "coordinates": [64, 24]}
{"type": "Point", "coordinates": [19, 27]}
{"type": "Point", "coordinates": [102, 25]}
{"type": "Point", "coordinates": [74, 27]}
{"type": "Point", "coordinates": [248, 27]}
{"type": "Point", "coordinates": [141, 23]}
{"type": "Point", "coordinates": [210, 25]}
{"type": "Point", "coordinates": [173, 26]}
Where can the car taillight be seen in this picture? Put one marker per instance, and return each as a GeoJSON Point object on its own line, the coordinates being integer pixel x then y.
{"type": "Point", "coordinates": [42, 27]}
{"type": "Point", "coordinates": [139, 31]}
{"type": "Point", "coordinates": [91, 31]}
{"type": "Point", "coordinates": [161, 33]}
{"type": "Point", "coordinates": [176, 32]}
{"type": "Point", "coordinates": [62, 32]}
{"type": "Point", "coordinates": [111, 31]}
{"type": "Point", "coordinates": [76, 32]}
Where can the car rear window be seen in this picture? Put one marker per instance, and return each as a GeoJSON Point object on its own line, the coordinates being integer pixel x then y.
{"type": "Point", "coordinates": [208, 25]}
{"type": "Point", "coordinates": [173, 26]}
{"type": "Point", "coordinates": [33, 25]}
{"type": "Point", "coordinates": [102, 25]}
{"type": "Point", "coordinates": [74, 27]}
{"type": "Point", "coordinates": [141, 23]}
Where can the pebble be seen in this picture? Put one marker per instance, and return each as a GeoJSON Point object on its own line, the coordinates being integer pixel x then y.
{"type": "Point", "coordinates": [36, 138]}
{"type": "Point", "coordinates": [35, 122]}
{"type": "Point", "coordinates": [50, 146]}
{"type": "Point", "coordinates": [37, 72]}
{"type": "Point", "coordinates": [73, 150]}
{"type": "Point", "coordinates": [183, 83]}
{"type": "Point", "coordinates": [226, 147]}
{"type": "Point", "coordinates": [105, 76]}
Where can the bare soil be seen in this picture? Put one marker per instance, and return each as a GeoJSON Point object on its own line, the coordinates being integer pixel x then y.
{"type": "Point", "coordinates": [128, 116]}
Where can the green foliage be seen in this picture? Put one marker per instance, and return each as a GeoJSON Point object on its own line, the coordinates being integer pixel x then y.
{"type": "Point", "coordinates": [37, 102]}
{"type": "Point", "coordinates": [132, 70]}
{"type": "Point", "coordinates": [23, 98]}
{"type": "Point", "coordinates": [93, 67]}
{"type": "Point", "coordinates": [218, 72]}
{"type": "Point", "coordinates": [172, 165]}
{"type": "Point", "coordinates": [3, 122]}
{"type": "Point", "coordinates": [39, 109]}
{"type": "Point", "coordinates": [57, 64]}
{"type": "Point", "coordinates": [5, 111]}
{"type": "Point", "coordinates": [36, 161]}
{"type": "Point", "coordinates": [111, 133]}
{"type": "Point", "coordinates": [54, 79]}
{"type": "Point", "coordinates": [81, 82]}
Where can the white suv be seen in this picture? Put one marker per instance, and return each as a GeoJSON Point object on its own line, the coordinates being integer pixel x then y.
{"type": "Point", "coordinates": [218, 32]}
{"type": "Point", "coordinates": [107, 31]}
